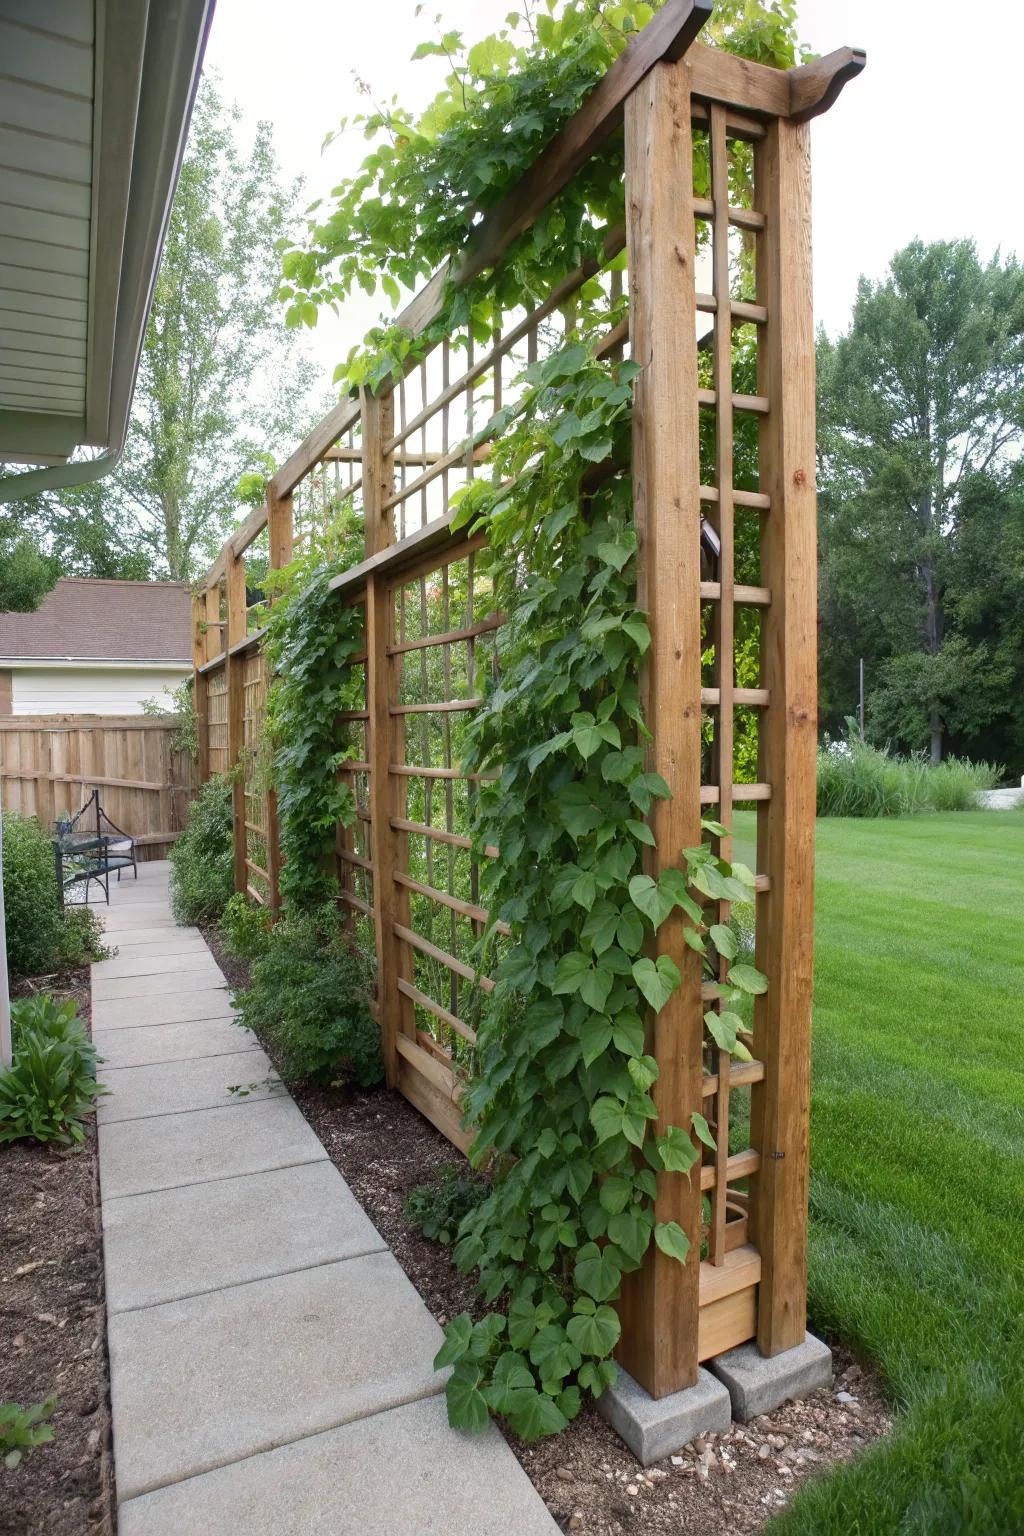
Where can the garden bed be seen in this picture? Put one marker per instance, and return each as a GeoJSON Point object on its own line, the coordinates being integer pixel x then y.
{"type": "Point", "coordinates": [722, 1485]}
{"type": "Point", "coordinates": [54, 1324]}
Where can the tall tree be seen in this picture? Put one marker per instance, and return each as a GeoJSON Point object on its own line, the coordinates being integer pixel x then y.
{"type": "Point", "coordinates": [921, 401]}
{"type": "Point", "coordinates": [222, 384]}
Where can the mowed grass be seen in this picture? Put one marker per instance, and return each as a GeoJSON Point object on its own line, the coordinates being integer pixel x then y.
{"type": "Point", "coordinates": [917, 1159]}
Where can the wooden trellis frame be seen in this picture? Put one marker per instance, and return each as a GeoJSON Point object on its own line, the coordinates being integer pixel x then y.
{"type": "Point", "coordinates": [403, 454]}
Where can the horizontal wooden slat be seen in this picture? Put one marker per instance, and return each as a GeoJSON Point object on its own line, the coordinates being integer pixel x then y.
{"type": "Point", "coordinates": [450, 707]}
{"type": "Point", "coordinates": [709, 793]}
{"type": "Point", "coordinates": [740, 1166]}
{"type": "Point", "coordinates": [423, 1001]}
{"type": "Point", "coordinates": [452, 838]}
{"type": "Point", "coordinates": [450, 637]}
{"type": "Point", "coordinates": [443, 957]}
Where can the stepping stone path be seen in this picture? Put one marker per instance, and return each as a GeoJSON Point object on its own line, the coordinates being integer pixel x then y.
{"type": "Point", "coordinates": [270, 1362]}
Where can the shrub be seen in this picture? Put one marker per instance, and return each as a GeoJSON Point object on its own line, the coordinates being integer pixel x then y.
{"type": "Point", "coordinates": [51, 1084]}
{"type": "Point", "coordinates": [309, 999]}
{"type": "Point", "coordinates": [202, 860]}
{"type": "Point", "coordinates": [31, 899]}
{"type": "Point", "coordinates": [80, 939]}
{"type": "Point", "coordinates": [245, 928]}
{"type": "Point", "coordinates": [855, 779]}
{"type": "Point", "coordinates": [437, 1208]}
{"type": "Point", "coordinates": [22, 1429]}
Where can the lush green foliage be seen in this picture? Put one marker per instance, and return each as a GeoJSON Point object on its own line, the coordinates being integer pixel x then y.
{"type": "Point", "coordinates": [51, 1084]}
{"type": "Point", "coordinates": [245, 928]}
{"type": "Point", "coordinates": [308, 999]}
{"type": "Point", "coordinates": [916, 1247]}
{"type": "Point", "coordinates": [311, 640]}
{"type": "Point", "coordinates": [857, 779]}
{"type": "Point", "coordinates": [26, 574]}
{"type": "Point", "coordinates": [920, 427]}
{"type": "Point", "coordinates": [417, 196]}
{"type": "Point", "coordinates": [30, 896]}
{"type": "Point", "coordinates": [179, 703]}
{"type": "Point", "coordinates": [80, 939]}
{"type": "Point", "coordinates": [438, 1208]}
{"type": "Point", "coordinates": [202, 860]}
{"type": "Point", "coordinates": [23, 1429]}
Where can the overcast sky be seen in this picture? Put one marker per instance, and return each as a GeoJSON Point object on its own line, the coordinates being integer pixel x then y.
{"type": "Point", "coordinates": [923, 143]}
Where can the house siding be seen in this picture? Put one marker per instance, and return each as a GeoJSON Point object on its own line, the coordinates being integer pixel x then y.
{"type": "Point", "coordinates": [89, 690]}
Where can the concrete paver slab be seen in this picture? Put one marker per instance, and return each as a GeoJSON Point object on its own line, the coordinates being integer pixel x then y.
{"type": "Point", "coordinates": [174, 1087]}
{"type": "Point", "coordinates": [399, 1473]}
{"type": "Point", "coordinates": [129, 1012]}
{"type": "Point", "coordinates": [151, 1043]}
{"type": "Point", "coordinates": [182, 1242]}
{"type": "Point", "coordinates": [135, 967]}
{"type": "Point", "coordinates": [198, 1383]}
{"type": "Point", "coordinates": [201, 976]}
{"type": "Point", "coordinates": [133, 948]}
{"type": "Point", "coordinates": [140, 1155]}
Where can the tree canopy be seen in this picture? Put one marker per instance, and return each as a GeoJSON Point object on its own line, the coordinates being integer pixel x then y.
{"type": "Point", "coordinates": [921, 414]}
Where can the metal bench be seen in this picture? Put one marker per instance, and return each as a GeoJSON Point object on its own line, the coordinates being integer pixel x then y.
{"type": "Point", "coordinates": [88, 846]}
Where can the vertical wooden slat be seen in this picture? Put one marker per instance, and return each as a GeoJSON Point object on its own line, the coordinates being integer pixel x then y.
{"type": "Point", "coordinates": [234, 632]}
{"type": "Point", "coordinates": [378, 419]}
{"type": "Point", "coordinates": [723, 635]}
{"type": "Point", "coordinates": [785, 913]}
{"type": "Point", "coordinates": [280, 526]}
{"type": "Point", "coordinates": [199, 690]}
{"type": "Point", "coordinates": [660, 1303]}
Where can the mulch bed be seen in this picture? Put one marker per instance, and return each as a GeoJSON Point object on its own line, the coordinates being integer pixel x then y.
{"type": "Point", "coordinates": [53, 1331]}
{"type": "Point", "coordinates": [721, 1485]}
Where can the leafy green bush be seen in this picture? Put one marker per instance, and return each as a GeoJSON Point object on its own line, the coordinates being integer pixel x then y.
{"type": "Point", "coordinates": [245, 928]}
{"type": "Point", "coordinates": [309, 999]}
{"type": "Point", "coordinates": [437, 1208]}
{"type": "Point", "coordinates": [22, 1429]}
{"type": "Point", "coordinates": [31, 899]}
{"type": "Point", "coordinates": [202, 860]}
{"type": "Point", "coordinates": [855, 779]}
{"type": "Point", "coordinates": [40, 936]}
{"type": "Point", "coordinates": [51, 1084]}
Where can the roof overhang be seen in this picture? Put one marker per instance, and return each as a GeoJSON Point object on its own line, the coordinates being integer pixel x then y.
{"type": "Point", "coordinates": [94, 116]}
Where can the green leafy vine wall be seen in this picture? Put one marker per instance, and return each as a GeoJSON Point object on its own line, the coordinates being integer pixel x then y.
{"type": "Point", "coordinates": [560, 1084]}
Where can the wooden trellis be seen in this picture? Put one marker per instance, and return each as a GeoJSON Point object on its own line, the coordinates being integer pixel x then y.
{"type": "Point", "coordinates": [406, 882]}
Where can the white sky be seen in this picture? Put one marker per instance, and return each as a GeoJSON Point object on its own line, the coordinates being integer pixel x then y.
{"type": "Point", "coordinates": [923, 143]}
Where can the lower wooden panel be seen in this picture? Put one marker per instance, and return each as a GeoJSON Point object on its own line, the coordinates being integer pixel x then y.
{"type": "Point", "coordinates": [728, 1302]}
{"type": "Point", "coordinates": [438, 1108]}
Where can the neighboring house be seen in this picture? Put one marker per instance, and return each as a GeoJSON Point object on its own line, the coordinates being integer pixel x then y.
{"type": "Point", "coordinates": [96, 647]}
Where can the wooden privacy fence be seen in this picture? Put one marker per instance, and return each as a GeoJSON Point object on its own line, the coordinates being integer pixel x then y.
{"type": "Point", "coordinates": [405, 874]}
{"type": "Point", "coordinates": [50, 764]}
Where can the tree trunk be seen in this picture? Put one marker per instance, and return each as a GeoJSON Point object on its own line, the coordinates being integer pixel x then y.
{"type": "Point", "coordinates": [936, 729]}
{"type": "Point", "coordinates": [172, 534]}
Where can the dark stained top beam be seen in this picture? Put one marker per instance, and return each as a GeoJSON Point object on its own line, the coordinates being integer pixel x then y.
{"type": "Point", "coordinates": [814, 87]}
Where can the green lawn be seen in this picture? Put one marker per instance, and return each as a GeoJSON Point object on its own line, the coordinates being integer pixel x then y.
{"type": "Point", "coordinates": [917, 1158]}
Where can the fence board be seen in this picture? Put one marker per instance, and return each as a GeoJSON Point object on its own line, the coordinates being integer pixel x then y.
{"type": "Point", "coordinates": [49, 765]}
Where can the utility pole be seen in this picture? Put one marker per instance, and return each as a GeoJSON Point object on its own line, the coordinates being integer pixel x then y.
{"type": "Point", "coordinates": [860, 706]}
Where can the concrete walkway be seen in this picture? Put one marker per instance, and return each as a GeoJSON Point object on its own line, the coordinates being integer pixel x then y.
{"type": "Point", "coordinates": [270, 1361]}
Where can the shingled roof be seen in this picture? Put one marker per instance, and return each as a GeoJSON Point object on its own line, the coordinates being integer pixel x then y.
{"type": "Point", "coordinates": [84, 619]}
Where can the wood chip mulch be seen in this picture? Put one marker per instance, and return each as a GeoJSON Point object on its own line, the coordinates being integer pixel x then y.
{"type": "Point", "coordinates": [721, 1485]}
{"type": "Point", "coordinates": [53, 1325]}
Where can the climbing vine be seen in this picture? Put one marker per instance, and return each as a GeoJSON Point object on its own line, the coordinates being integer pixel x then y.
{"type": "Point", "coordinates": [311, 640]}
{"type": "Point", "coordinates": [560, 1094]}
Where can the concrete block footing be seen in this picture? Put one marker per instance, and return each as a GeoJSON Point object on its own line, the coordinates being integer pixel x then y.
{"type": "Point", "coordinates": [654, 1427]}
{"type": "Point", "coordinates": [757, 1383]}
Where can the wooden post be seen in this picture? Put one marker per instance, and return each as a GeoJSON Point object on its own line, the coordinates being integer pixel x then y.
{"type": "Point", "coordinates": [199, 690]}
{"type": "Point", "coordinates": [378, 425]}
{"type": "Point", "coordinates": [660, 1303]}
{"type": "Point", "coordinates": [780, 1109]}
{"type": "Point", "coordinates": [280, 533]}
{"type": "Point", "coordinates": [236, 712]}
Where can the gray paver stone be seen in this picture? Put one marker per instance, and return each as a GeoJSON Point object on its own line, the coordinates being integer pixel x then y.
{"type": "Point", "coordinates": [131, 1012]}
{"type": "Point", "coordinates": [192, 973]}
{"type": "Point", "coordinates": [199, 1383]}
{"type": "Point", "coordinates": [654, 1427]}
{"type": "Point", "coordinates": [182, 1242]}
{"type": "Point", "coordinates": [758, 1383]}
{"type": "Point", "coordinates": [151, 1043]}
{"type": "Point", "coordinates": [172, 1087]}
{"type": "Point", "coordinates": [170, 1150]}
{"type": "Point", "coordinates": [401, 1473]}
